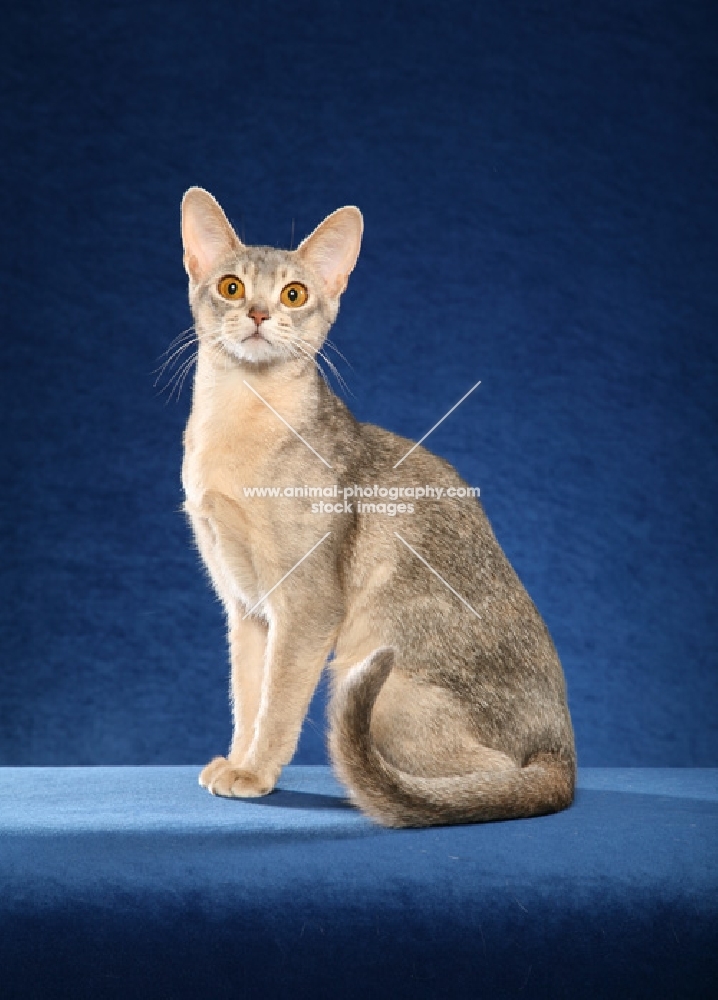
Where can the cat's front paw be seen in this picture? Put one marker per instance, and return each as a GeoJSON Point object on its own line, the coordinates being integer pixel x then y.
{"type": "Point", "coordinates": [221, 777]}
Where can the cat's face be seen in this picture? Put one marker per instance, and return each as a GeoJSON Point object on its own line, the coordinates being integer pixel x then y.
{"type": "Point", "coordinates": [259, 305]}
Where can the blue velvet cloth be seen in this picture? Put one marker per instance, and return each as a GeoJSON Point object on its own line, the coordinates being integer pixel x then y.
{"type": "Point", "coordinates": [538, 186]}
{"type": "Point", "coordinates": [134, 882]}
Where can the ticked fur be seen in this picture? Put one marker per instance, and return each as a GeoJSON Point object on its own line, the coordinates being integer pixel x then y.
{"type": "Point", "coordinates": [439, 714]}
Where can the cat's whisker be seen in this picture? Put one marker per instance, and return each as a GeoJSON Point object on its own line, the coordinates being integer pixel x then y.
{"type": "Point", "coordinates": [329, 343]}
{"type": "Point", "coordinates": [298, 343]}
{"type": "Point", "coordinates": [330, 364]}
{"type": "Point", "coordinates": [290, 340]}
{"type": "Point", "coordinates": [221, 358]}
{"type": "Point", "coordinates": [189, 332]}
{"type": "Point", "coordinates": [181, 382]}
{"type": "Point", "coordinates": [172, 358]}
{"type": "Point", "coordinates": [298, 352]}
{"type": "Point", "coordinates": [301, 344]}
{"type": "Point", "coordinates": [324, 375]}
{"type": "Point", "coordinates": [173, 378]}
{"type": "Point", "coordinates": [335, 371]}
{"type": "Point", "coordinates": [178, 377]}
{"type": "Point", "coordinates": [171, 385]}
{"type": "Point", "coordinates": [179, 345]}
{"type": "Point", "coordinates": [187, 370]}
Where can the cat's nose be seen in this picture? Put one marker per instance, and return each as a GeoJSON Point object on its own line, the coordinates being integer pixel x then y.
{"type": "Point", "coordinates": [258, 315]}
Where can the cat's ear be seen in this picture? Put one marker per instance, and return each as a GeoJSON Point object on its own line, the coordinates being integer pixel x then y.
{"type": "Point", "coordinates": [332, 249]}
{"type": "Point", "coordinates": [206, 233]}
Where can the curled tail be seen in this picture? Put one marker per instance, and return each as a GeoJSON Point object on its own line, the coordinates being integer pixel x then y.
{"type": "Point", "coordinates": [395, 798]}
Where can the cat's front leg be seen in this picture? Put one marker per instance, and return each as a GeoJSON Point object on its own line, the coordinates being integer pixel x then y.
{"type": "Point", "coordinates": [247, 647]}
{"type": "Point", "coordinates": [297, 650]}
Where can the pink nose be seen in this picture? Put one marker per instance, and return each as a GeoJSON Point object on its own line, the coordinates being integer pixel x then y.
{"type": "Point", "coordinates": [258, 315]}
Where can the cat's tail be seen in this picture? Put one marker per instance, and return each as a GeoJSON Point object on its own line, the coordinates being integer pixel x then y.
{"type": "Point", "coordinates": [395, 798]}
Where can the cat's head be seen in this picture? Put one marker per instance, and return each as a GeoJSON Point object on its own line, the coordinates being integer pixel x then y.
{"type": "Point", "coordinates": [259, 305]}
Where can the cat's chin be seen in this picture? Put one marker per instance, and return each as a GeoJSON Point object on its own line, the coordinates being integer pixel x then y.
{"type": "Point", "coordinates": [252, 350]}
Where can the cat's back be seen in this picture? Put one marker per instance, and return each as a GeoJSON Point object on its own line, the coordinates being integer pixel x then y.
{"type": "Point", "coordinates": [412, 497]}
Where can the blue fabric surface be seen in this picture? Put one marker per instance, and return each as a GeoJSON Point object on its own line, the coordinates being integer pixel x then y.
{"type": "Point", "coordinates": [122, 882]}
{"type": "Point", "coordinates": [538, 185]}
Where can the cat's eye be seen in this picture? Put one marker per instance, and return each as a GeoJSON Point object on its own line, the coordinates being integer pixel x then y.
{"type": "Point", "coordinates": [294, 294]}
{"type": "Point", "coordinates": [230, 287]}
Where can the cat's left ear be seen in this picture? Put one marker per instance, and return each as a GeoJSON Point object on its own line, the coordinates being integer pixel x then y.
{"type": "Point", "coordinates": [332, 249]}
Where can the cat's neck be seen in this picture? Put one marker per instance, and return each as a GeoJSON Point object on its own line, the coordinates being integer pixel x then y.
{"type": "Point", "coordinates": [225, 390]}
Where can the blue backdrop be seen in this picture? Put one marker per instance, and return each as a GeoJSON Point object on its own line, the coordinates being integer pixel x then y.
{"type": "Point", "coordinates": [538, 186]}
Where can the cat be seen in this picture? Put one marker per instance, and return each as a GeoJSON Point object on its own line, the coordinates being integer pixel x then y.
{"type": "Point", "coordinates": [448, 700]}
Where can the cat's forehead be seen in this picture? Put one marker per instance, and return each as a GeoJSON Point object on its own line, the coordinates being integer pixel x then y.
{"type": "Point", "coordinates": [268, 263]}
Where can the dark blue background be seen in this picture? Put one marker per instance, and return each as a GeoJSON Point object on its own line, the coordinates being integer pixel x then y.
{"type": "Point", "coordinates": [538, 182]}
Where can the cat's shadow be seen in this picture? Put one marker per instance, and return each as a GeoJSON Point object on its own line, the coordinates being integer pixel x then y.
{"type": "Point", "coordinates": [287, 798]}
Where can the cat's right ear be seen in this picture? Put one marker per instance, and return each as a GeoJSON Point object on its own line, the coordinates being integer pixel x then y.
{"type": "Point", "coordinates": [206, 234]}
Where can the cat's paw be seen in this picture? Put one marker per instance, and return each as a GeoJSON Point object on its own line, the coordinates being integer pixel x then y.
{"type": "Point", "coordinates": [208, 773]}
{"type": "Point", "coordinates": [220, 777]}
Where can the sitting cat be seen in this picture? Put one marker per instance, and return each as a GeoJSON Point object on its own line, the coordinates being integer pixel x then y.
{"type": "Point", "coordinates": [448, 699]}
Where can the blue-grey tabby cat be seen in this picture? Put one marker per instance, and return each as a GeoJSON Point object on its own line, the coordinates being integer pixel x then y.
{"type": "Point", "coordinates": [440, 712]}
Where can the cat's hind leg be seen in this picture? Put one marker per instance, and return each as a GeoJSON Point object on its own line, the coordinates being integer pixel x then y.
{"type": "Point", "coordinates": [399, 786]}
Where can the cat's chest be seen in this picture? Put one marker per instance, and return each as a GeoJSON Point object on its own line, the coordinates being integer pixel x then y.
{"type": "Point", "coordinates": [227, 453]}
{"type": "Point", "coordinates": [239, 531]}
{"type": "Point", "coordinates": [212, 469]}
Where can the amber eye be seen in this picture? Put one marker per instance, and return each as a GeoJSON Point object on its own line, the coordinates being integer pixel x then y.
{"type": "Point", "coordinates": [294, 294]}
{"type": "Point", "coordinates": [230, 287]}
